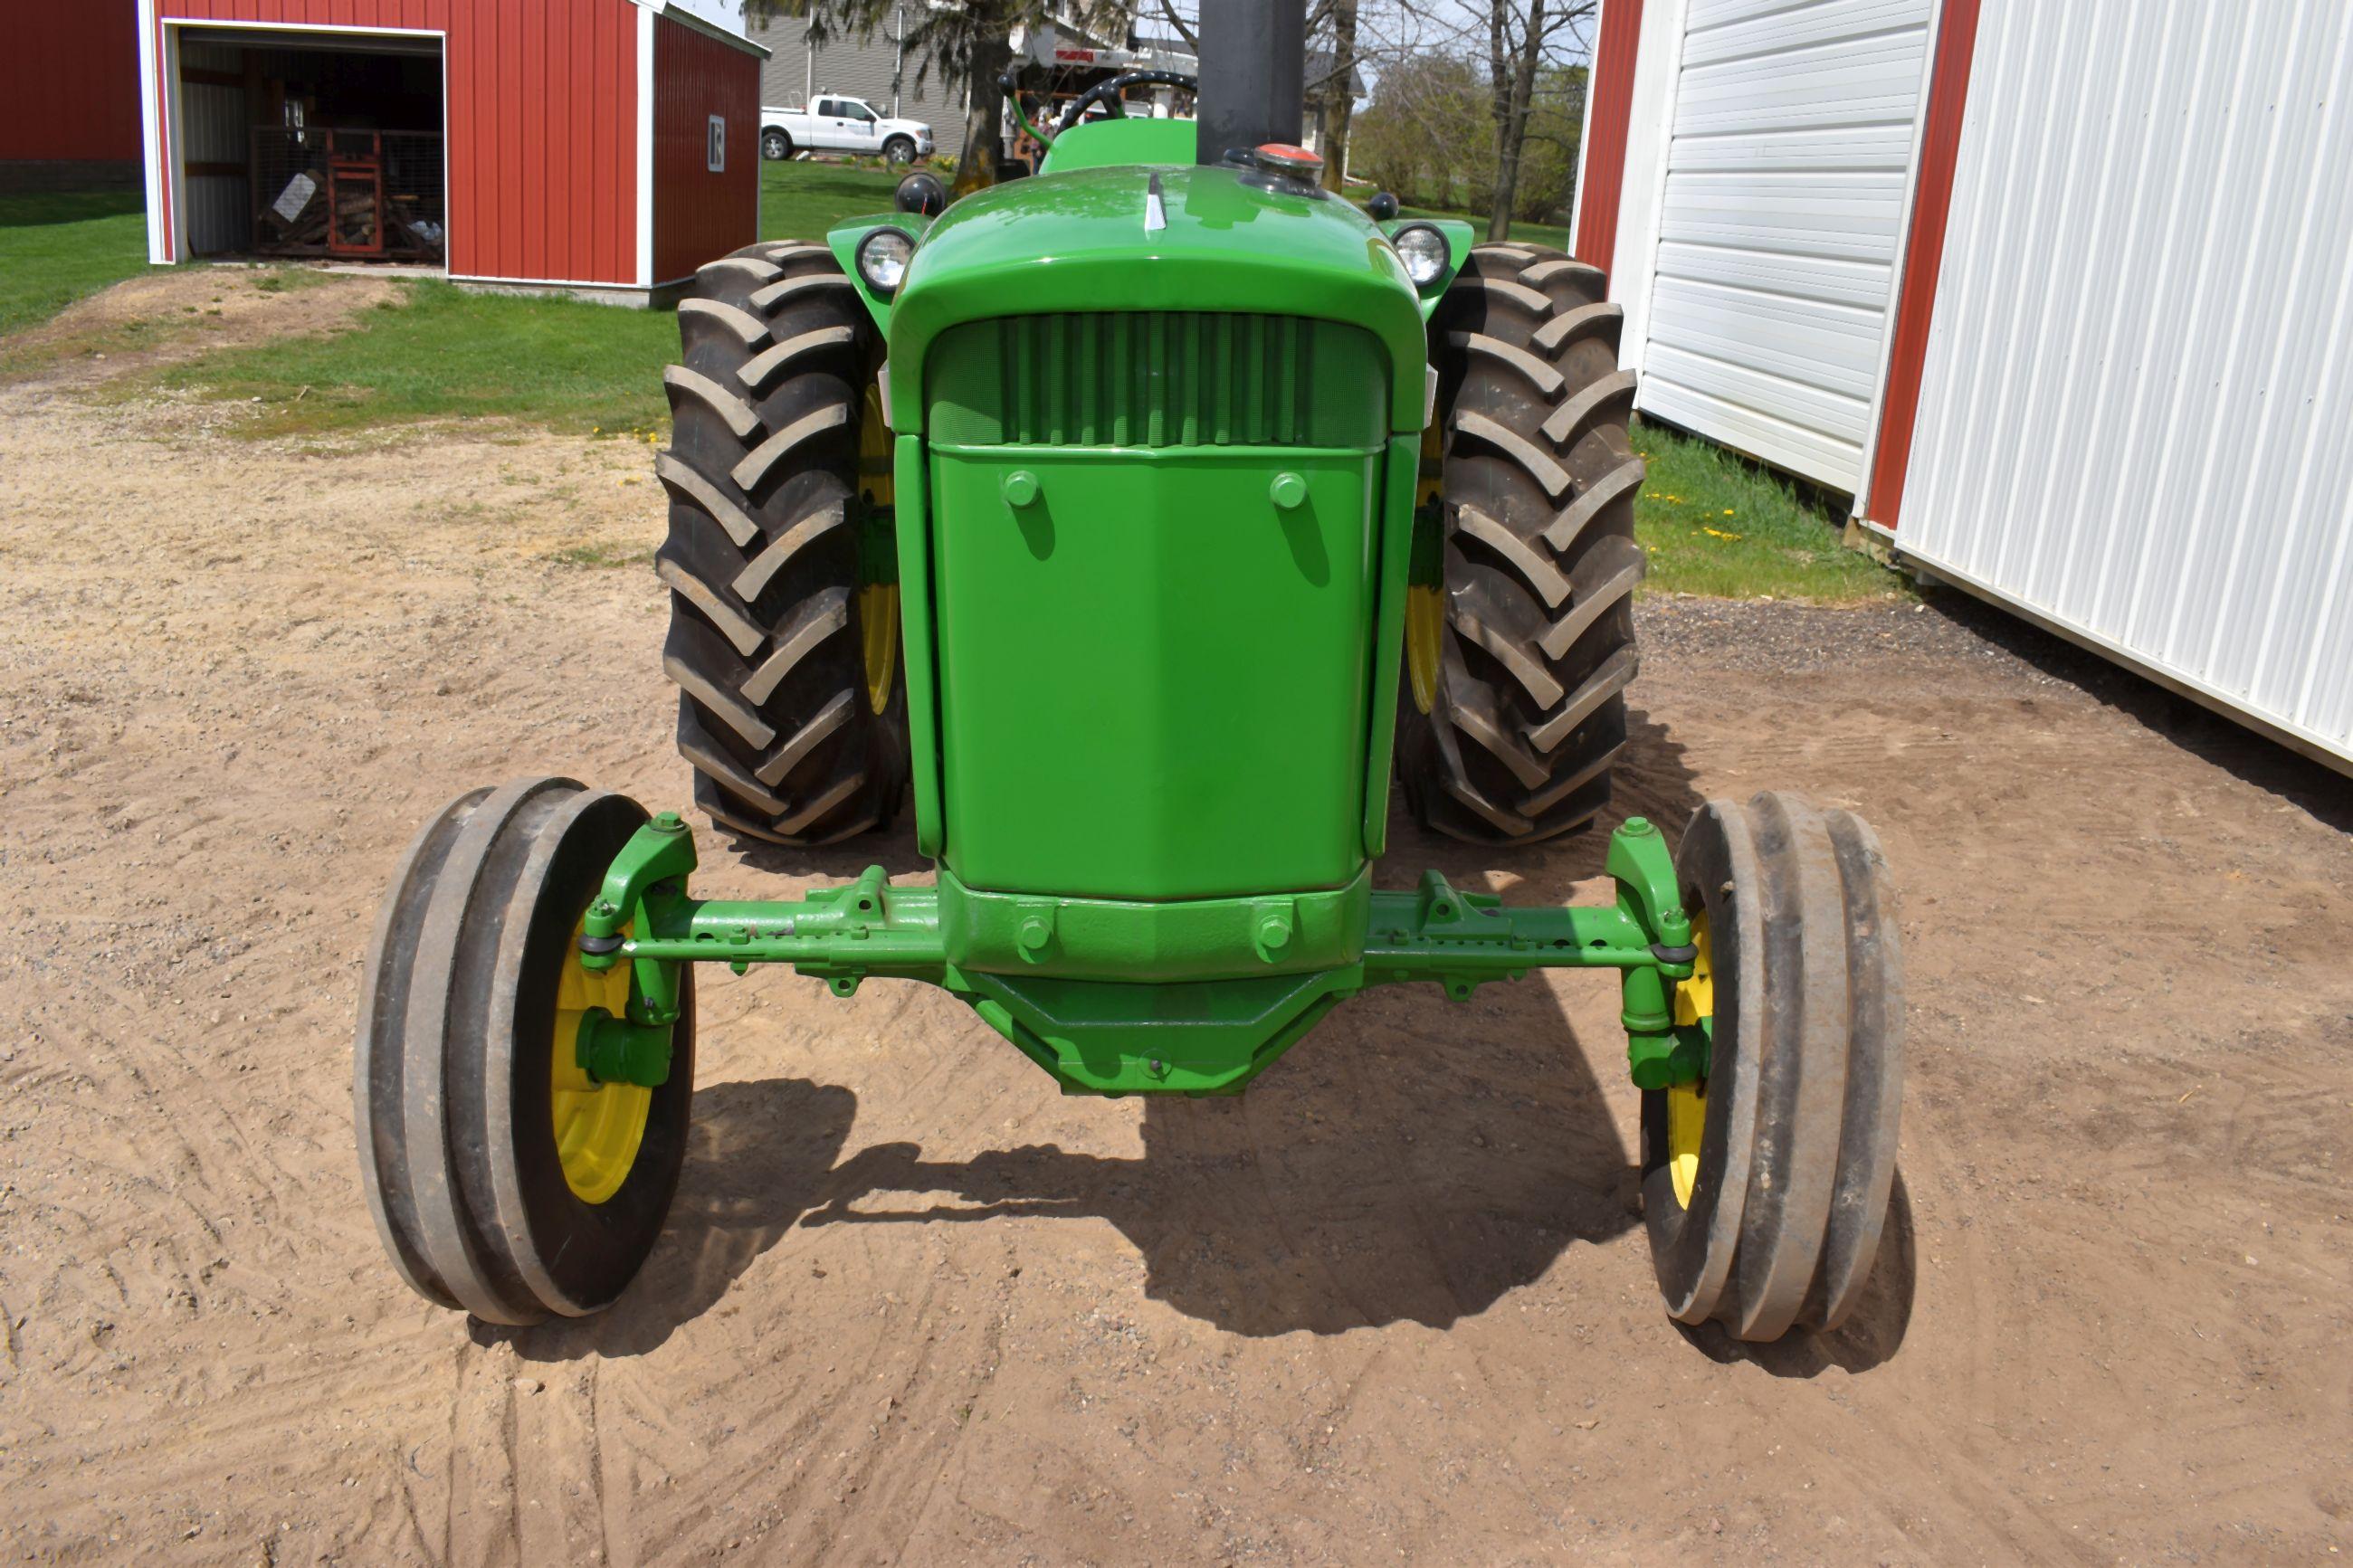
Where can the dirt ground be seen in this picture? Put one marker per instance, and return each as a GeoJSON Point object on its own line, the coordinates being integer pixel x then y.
{"type": "Point", "coordinates": [914, 1306]}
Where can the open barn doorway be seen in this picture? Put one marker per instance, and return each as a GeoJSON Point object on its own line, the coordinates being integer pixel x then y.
{"type": "Point", "coordinates": [310, 143]}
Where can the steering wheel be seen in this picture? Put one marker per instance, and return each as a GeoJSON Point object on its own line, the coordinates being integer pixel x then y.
{"type": "Point", "coordinates": [1108, 92]}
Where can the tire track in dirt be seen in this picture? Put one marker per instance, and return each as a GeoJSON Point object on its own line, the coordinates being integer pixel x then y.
{"type": "Point", "coordinates": [1395, 1301]}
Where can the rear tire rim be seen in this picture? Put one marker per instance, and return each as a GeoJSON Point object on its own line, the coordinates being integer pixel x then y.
{"type": "Point", "coordinates": [1425, 631]}
{"type": "Point", "coordinates": [878, 620]}
{"type": "Point", "coordinates": [598, 1126]}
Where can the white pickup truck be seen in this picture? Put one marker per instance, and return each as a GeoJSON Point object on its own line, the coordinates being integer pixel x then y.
{"type": "Point", "coordinates": [833, 123]}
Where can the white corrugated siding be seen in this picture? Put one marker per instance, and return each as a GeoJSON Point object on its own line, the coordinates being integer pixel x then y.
{"type": "Point", "coordinates": [1780, 223]}
{"type": "Point", "coordinates": [2137, 407]}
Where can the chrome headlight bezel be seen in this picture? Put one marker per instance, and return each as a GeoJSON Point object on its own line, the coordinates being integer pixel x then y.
{"type": "Point", "coordinates": [1424, 243]}
{"type": "Point", "coordinates": [881, 272]}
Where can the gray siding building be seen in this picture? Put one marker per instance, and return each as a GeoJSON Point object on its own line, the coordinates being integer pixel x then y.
{"type": "Point", "coordinates": [877, 70]}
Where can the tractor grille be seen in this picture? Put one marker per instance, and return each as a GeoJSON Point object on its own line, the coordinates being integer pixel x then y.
{"type": "Point", "coordinates": [1162, 378]}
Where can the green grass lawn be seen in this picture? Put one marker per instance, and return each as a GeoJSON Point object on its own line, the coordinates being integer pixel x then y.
{"type": "Point", "coordinates": [1532, 233]}
{"type": "Point", "coordinates": [440, 353]}
{"type": "Point", "coordinates": [1719, 525]}
{"type": "Point", "coordinates": [1714, 523]}
{"type": "Point", "coordinates": [801, 201]}
{"type": "Point", "coordinates": [57, 245]}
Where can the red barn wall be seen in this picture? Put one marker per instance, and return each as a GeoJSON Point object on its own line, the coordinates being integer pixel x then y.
{"type": "Point", "coordinates": [69, 82]}
{"type": "Point", "coordinates": [700, 216]}
{"type": "Point", "coordinates": [1603, 175]}
{"type": "Point", "coordinates": [541, 109]}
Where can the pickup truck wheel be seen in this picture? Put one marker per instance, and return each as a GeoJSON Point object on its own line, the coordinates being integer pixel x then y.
{"type": "Point", "coordinates": [899, 150]}
{"type": "Point", "coordinates": [774, 145]}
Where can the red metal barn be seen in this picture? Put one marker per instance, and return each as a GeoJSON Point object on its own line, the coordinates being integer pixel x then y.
{"type": "Point", "coordinates": [68, 98]}
{"type": "Point", "coordinates": [2057, 293]}
{"type": "Point", "coordinates": [603, 147]}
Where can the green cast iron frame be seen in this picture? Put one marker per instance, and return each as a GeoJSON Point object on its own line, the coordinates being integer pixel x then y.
{"type": "Point", "coordinates": [1032, 966]}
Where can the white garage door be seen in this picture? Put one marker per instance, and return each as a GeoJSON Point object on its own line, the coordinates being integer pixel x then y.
{"type": "Point", "coordinates": [1780, 225]}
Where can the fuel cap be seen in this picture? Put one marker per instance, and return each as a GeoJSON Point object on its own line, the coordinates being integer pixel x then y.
{"type": "Point", "coordinates": [1283, 158]}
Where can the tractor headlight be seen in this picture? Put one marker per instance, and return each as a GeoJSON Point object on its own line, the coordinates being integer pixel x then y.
{"type": "Point", "coordinates": [883, 258]}
{"type": "Point", "coordinates": [1423, 250]}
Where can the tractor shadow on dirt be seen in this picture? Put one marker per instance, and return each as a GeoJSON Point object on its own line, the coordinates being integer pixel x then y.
{"type": "Point", "coordinates": [757, 1158]}
{"type": "Point", "coordinates": [1412, 1161]}
{"type": "Point", "coordinates": [1409, 1162]}
{"type": "Point", "coordinates": [1872, 1333]}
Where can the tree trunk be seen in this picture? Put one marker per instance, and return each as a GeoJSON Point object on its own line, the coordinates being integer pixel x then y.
{"type": "Point", "coordinates": [1513, 74]}
{"type": "Point", "coordinates": [1341, 103]}
{"type": "Point", "coordinates": [984, 135]}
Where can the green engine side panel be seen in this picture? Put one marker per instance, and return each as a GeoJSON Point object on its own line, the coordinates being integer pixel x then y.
{"type": "Point", "coordinates": [1154, 681]}
{"type": "Point", "coordinates": [1114, 143]}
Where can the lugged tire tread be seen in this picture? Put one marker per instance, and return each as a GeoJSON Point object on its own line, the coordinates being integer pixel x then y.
{"type": "Point", "coordinates": [758, 269]}
{"type": "Point", "coordinates": [773, 298]}
{"type": "Point", "coordinates": [736, 320]}
{"type": "Point", "coordinates": [1576, 323]}
{"type": "Point", "coordinates": [1540, 558]}
{"type": "Point", "coordinates": [736, 627]}
{"type": "Point", "coordinates": [752, 473]}
{"type": "Point", "coordinates": [679, 474]}
{"type": "Point", "coordinates": [1571, 417]}
{"type": "Point", "coordinates": [762, 367]}
{"type": "Point", "coordinates": [762, 561]}
{"type": "Point", "coordinates": [1545, 379]}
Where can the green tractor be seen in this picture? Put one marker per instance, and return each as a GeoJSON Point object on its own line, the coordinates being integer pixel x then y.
{"type": "Point", "coordinates": [1135, 523]}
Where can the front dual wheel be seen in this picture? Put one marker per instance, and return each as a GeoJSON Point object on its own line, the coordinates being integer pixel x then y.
{"type": "Point", "coordinates": [1765, 1184]}
{"type": "Point", "coordinates": [504, 1179]}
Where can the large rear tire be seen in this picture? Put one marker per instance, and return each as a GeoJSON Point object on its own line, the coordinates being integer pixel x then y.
{"type": "Point", "coordinates": [1512, 712]}
{"type": "Point", "coordinates": [790, 708]}
{"type": "Point", "coordinates": [1764, 1187]}
{"type": "Point", "coordinates": [504, 1180]}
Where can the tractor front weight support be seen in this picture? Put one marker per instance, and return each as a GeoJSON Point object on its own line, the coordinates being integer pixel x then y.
{"type": "Point", "coordinates": [1210, 990]}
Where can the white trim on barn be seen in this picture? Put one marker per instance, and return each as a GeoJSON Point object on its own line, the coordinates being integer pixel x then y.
{"type": "Point", "coordinates": [644, 146]}
{"type": "Point", "coordinates": [150, 151]}
{"type": "Point", "coordinates": [1656, 60]}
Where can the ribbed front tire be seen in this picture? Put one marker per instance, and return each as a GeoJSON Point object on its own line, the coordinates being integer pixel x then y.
{"type": "Point", "coordinates": [1524, 712]}
{"type": "Point", "coordinates": [471, 1113]}
{"type": "Point", "coordinates": [766, 638]}
{"type": "Point", "coordinates": [1795, 1157]}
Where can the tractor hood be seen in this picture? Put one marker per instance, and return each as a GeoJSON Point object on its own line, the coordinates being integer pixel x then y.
{"type": "Point", "coordinates": [1154, 239]}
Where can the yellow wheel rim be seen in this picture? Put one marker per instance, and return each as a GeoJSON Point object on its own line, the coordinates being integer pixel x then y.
{"type": "Point", "coordinates": [1425, 608]}
{"type": "Point", "coordinates": [598, 1126]}
{"type": "Point", "coordinates": [878, 603]}
{"type": "Point", "coordinates": [877, 618]}
{"type": "Point", "coordinates": [1687, 1102]}
{"type": "Point", "coordinates": [1425, 625]}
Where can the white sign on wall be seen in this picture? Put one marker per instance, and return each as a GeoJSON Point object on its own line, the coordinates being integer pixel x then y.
{"type": "Point", "coordinates": [714, 153]}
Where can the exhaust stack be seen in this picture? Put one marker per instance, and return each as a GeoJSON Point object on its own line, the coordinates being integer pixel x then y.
{"type": "Point", "coordinates": [1253, 74]}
